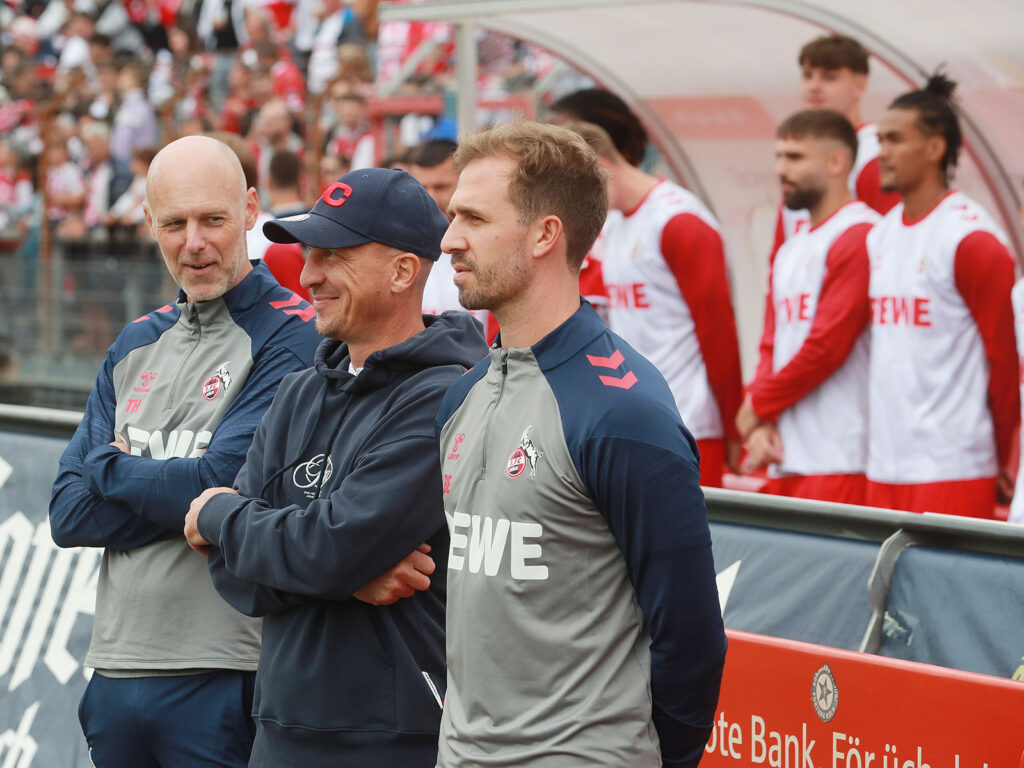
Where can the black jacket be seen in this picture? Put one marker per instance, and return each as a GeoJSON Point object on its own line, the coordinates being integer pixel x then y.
{"type": "Point", "coordinates": [340, 680]}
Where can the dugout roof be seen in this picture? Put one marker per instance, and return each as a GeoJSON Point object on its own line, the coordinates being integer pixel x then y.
{"type": "Point", "coordinates": [712, 79]}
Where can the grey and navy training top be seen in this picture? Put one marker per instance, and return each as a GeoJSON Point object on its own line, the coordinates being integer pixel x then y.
{"type": "Point", "coordinates": [185, 387]}
{"type": "Point", "coordinates": [583, 624]}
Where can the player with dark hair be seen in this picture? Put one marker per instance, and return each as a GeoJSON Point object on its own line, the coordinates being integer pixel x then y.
{"type": "Point", "coordinates": [431, 165]}
{"type": "Point", "coordinates": [605, 109]}
{"type": "Point", "coordinates": [834, 75]}
{"type": "Point", "coordinates": [943, 374]}
{"type": "Point", "coordinates": [806, 410]}
{"type": "Point", "coordinates": [664, 268]}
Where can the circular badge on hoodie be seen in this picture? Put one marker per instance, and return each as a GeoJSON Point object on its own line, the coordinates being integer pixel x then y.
{"type": "Point", "coordinates": [516, 463]}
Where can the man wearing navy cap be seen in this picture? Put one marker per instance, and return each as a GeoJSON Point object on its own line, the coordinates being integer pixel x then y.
{"type": "Point", "coordinates": [342, 482]}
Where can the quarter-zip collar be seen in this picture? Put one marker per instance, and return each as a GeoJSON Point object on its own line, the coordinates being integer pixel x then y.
{"type": "Point", "coordinates": [558, 346]}
{"type": "Point", "coordinates": [246, 294]}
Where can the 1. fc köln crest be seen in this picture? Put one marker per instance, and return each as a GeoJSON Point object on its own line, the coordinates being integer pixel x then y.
{"type": "Point", "coordinates": [526, 454]}
{"type": "Point", "coordinates": [219, 382]}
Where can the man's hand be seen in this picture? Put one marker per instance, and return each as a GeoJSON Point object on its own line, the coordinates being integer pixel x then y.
{"type": "Point", "coordinates": [192, 535]}
{"type": "Point", "coordinates": [403, 580]}
{"type": "Point", "coordinates": [747, 419]}
{"type": "Point", "coordinates": [764, 447]}
{"type": "Point", "coordinates": [121, 445]}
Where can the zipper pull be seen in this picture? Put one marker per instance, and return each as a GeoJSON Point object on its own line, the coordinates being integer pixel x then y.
{"type": "Point", "coordinates": [504, 363]}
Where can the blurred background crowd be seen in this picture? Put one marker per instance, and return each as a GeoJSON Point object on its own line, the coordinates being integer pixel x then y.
{"type": "Point", "coordinates": [91, 89]}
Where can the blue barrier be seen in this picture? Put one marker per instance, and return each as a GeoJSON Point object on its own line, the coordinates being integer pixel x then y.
{"type": "Point", "coordinates": [788, 568]}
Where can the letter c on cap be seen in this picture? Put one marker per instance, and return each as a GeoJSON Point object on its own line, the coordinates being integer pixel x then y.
{"type": "Point", "coordinates": [346, 192]}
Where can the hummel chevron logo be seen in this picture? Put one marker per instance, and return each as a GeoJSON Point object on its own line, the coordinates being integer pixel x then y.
{"type": "Point", "coordinates": [162, 310]}
{"type": "Point", "coordinates": [616, 360]}
{"type": "Point", "coordinates": [305, 313]}
{"type": "Point", "coordinates": [607, 362]}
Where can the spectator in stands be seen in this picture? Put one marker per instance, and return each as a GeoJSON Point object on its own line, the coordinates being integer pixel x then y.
{"type": "Point", "coordinates": [128, 210]}
{"type": "Point", "coordinates": [65, 190]}
{"type": "Point", "coordinates": [104, 95]}
{"type": "Point", "coordinates": [135, 123]}
{"type": "Point", "coordinates": [16, 192]}
{"type": "Point", "coordinates": [273, 132]}
{"type": "Point", "coordinates": [220, 26]}
{"type": "Point", "coordinates": [805, 413]}
{"type": "Point", "coordinates": [101, 50]}
{"type": "Point", "coordinates": [286, 80]}
{"type": "Point", "coordinates": [664, 267]}
{"type": "Point", "coordinates": [167, 419]}
{"type": "Point", "coordinates": [286, 260]}
{"type": "Point", "coordinates": [240, 105]}
{"type": "Point", "coordinates": [75, 50]}
{"type": "Point", "coordinates": [351, 135]}
{"type": "Point", "coordinates": [106, 178]}
{"type": "Point", "coordinates": [284, 185]}
{"type": "Point", "coordinates": [338, 24]}
{"type": "Point", "coordinates": [343, 682]}
{"type": "Point", "coordinates": [943, 394]}
{"type": "Point", "coordinates": [834, 75]}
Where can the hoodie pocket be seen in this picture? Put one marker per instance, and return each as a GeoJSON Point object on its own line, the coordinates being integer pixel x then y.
{"type": "Point", "coordinates": [324, 667]}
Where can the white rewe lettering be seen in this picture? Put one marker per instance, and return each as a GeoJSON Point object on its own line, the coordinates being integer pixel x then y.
{"type": "Point", "coordinates": [180, 443]}
{"type": "Point", "coordinates": [458, 540]}
{"type": "Point", "coordinates": [521, 552]}
{"type": "Point", "coordinates": [485, 545]}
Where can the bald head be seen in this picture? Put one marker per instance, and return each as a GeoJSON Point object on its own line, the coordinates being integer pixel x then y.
{"type": "Point", "coordinates": [198, 209]}
{"type": "Point", "coordinates": [195, 157]}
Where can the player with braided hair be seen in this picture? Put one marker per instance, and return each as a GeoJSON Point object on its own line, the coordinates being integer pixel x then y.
{"type": "Point", "coordinates": [943, 395]}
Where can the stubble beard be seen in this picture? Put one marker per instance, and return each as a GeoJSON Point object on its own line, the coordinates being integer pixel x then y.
{"type": "Point", "coordinates": [494, 286]}
{"type": "Point", "coordinates": [802, 197]}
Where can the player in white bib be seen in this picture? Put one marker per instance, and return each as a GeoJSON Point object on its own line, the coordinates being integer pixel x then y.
{"type": "Point", "coordinates": [1017, 507]}
{"type": "Point", "coordinates": [431, 166]}
{"type": "Point", "coordinates": [834, 75]}
{"type": "Point", "coordinates": [805, 414]}
{"type": "Point", "coordinates": [943, 395]}
{"type": "Point", "coordinates": [664, 268]}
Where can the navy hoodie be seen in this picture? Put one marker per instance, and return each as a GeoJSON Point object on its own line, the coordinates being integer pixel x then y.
{"type": "Point", "coordinates": [341, 682]}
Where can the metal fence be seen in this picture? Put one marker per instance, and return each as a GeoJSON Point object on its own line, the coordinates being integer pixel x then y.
{"type": "Point", "coordinates": [62, 306]}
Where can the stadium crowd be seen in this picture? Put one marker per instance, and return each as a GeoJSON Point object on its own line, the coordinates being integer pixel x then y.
{"type": "Point", "coordinates": [306, 91]}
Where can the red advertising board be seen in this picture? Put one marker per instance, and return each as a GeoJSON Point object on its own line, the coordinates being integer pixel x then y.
{"type": "Point", "coordinates": [794, 705]}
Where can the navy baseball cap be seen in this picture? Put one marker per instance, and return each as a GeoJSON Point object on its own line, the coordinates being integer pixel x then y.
{"type": "Point", "coordinates": [371, 205]}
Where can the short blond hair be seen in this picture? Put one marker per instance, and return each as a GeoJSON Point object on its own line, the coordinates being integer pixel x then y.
{"type": "Point", "coordinates": [557, 173]}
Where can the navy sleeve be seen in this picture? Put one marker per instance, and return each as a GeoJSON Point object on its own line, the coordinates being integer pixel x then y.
{"type": "Point", "coordinates": [386, 506]}
{"type": "Point", "coordinates": [160, 490]}
{"type": "Point", "coordinates": [79, 517]}
{"type": "Point", "coordinates": [245, 595]}
{"type": "Point", "coordinates": [651, 498]}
